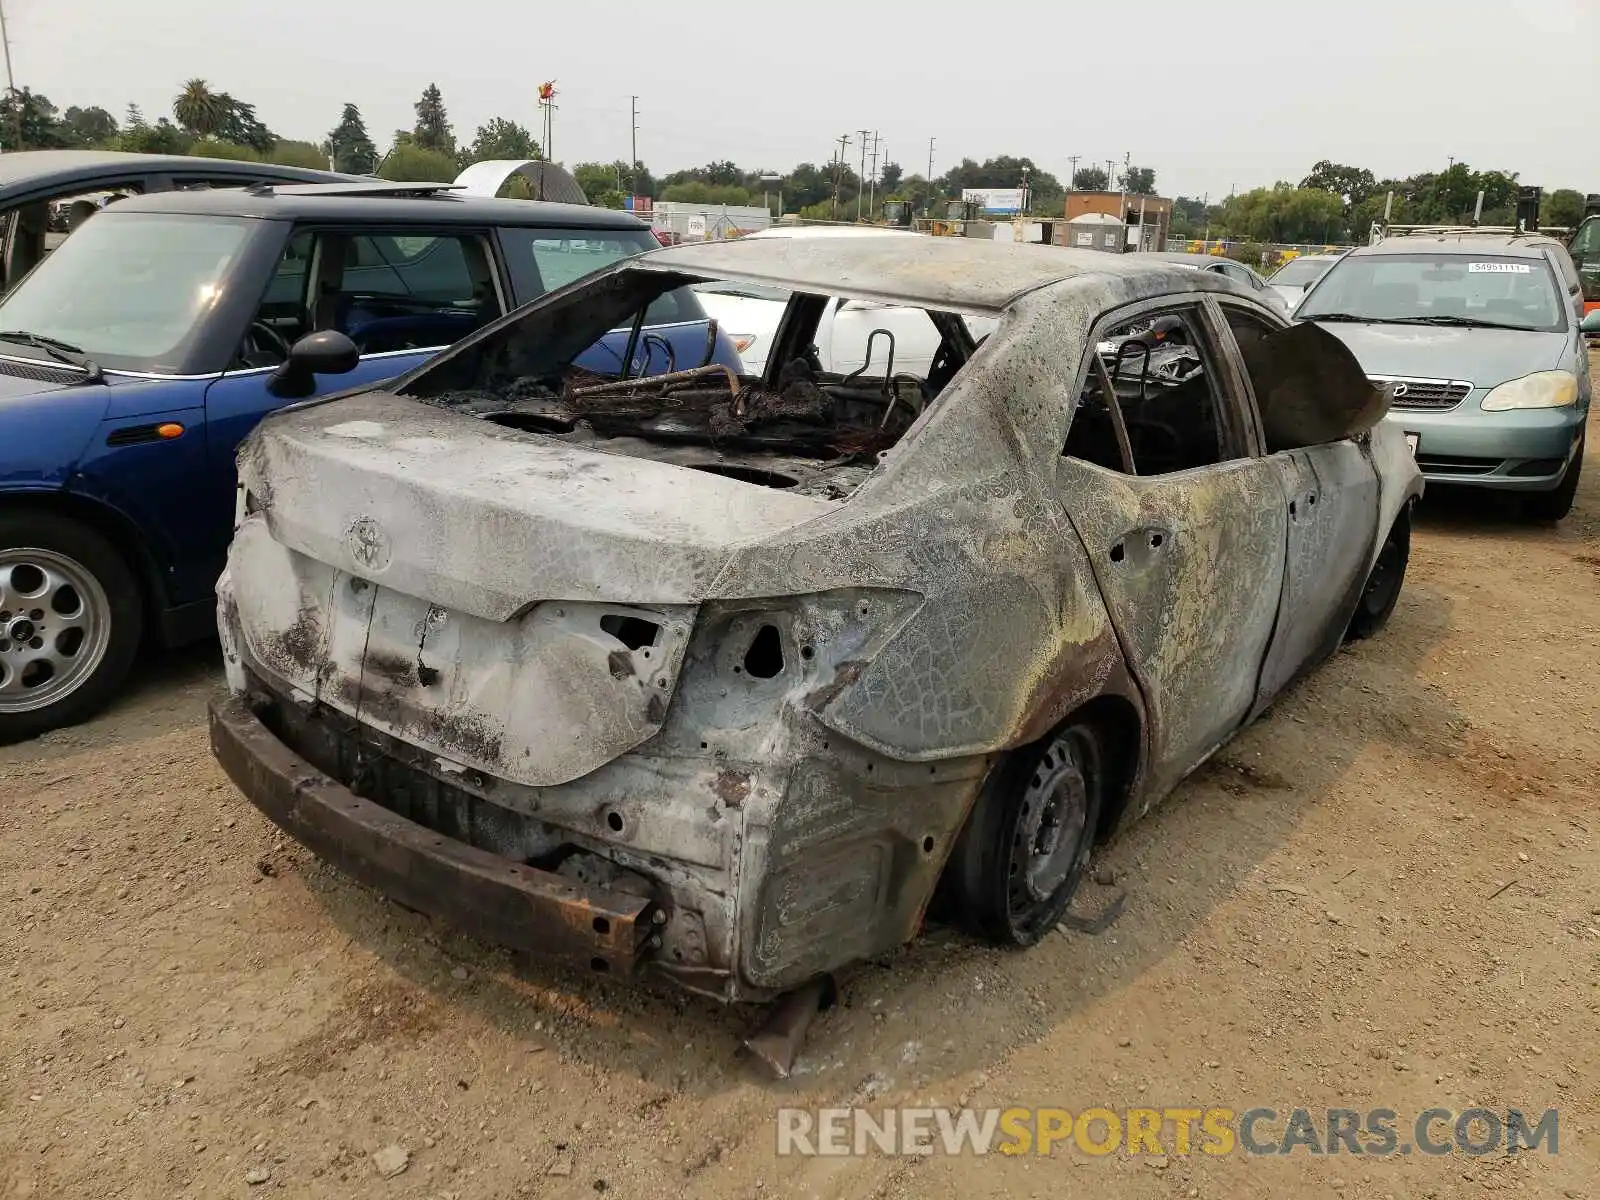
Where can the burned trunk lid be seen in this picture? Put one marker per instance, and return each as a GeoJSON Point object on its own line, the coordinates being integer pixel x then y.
{"type": "Point", "coordinates": [507, 603]}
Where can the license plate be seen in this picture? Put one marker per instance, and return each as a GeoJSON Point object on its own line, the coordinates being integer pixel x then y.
{"type": "Point", "coordinates": [1411, 442]}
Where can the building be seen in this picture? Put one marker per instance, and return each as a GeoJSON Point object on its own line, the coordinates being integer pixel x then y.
{"type": "Point", "coordinates": [1147, 218]}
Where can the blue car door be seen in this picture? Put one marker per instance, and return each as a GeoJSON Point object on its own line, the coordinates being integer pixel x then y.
{"type": "Point", "coordinates": [401, 296]}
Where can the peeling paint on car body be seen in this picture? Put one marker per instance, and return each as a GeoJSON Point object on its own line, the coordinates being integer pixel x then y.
{"type": "Point", "coordinates": [772, 711]}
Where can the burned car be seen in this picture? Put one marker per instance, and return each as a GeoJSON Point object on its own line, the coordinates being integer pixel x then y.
{"type": "Point", "coordinates": [730, 678]}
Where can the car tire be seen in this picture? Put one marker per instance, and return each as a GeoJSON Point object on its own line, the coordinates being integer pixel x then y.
{"type": "Point", "coordinates": [1381, 592]}
{"type": "Point", "coordinates": [1026, 845]}
{"type": "Point", "coordinates": [71, 619]}
{"type": "Point", "coordinates": [1557, 503]}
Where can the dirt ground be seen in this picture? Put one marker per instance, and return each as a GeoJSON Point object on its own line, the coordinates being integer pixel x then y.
{"type": "Point", "coordinates": [1321, 918]}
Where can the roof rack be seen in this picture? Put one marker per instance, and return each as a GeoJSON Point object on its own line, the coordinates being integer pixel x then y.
{"type": "Point", "coordinates": [1381, 231]}
{"type": "Point", "coordinates": [376, 187]}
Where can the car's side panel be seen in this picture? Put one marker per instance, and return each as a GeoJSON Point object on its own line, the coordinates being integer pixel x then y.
{"type": "Point", "coordinates": [155, 478]}
{"type": "Point", "coordinates": [1191, 566]}
{"type": "Point", "coordinates": [1330, 495]}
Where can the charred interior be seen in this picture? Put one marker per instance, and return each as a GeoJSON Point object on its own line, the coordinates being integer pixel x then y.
{"type": "Point", "coordinates": [796, 427]}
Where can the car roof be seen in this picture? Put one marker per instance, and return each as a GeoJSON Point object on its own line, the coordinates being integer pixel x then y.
{"type": "Point", "coordinates": [925, 271]}
{"type": "Point", "coordinates": [30, 169]}
{"type": "Point", "coordinates": [373, 202]}
{"type": "Point", "coordinates": [829, 231]}
{"type": "Point", "coordinates": [1184, 260]}
{"type": "Point", "coordinates": [1506, 245]}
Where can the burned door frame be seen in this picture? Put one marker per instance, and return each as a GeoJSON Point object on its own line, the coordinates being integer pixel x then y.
{"type": "Point", "coordinates": [1330, 497]}
{"type": "Point", "coordinates": [1191, 563]}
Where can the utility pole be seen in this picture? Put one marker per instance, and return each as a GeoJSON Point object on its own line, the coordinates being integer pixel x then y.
{"type": "Point", "coordinates": [1072, 161]}
{"type": "Point", "coordinates": [838, 171]}
{"type": "Point", "coordinates": [633, 151]}
{"type": "Point", "coordinates": [861, 179]}
{"type": "Point", "coordinates": [11, 83]}
{"type": "Point", "coordinates": [872, 204]}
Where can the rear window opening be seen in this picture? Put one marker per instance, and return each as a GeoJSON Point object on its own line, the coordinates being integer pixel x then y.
{"type": "Point", "coordinates": [843, 382]}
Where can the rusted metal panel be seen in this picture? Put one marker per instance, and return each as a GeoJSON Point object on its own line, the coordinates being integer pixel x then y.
{"type": "Point", "coordinates": [500, 899]}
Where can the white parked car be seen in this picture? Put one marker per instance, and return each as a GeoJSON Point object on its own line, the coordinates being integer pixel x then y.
{"type": "Point", "coordinates": [749, 314]}
{"type": "Point", "coordinates": [1294, 279]}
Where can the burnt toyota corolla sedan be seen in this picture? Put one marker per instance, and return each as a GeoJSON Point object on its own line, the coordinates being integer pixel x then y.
{"type": "Point", "coordinates": [729, 678]}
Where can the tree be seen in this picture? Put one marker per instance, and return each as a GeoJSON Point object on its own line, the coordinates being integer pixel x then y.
{"type": "Point", "coordinates": [161, 138]}
{"type": "Point", "coordinates": [240, 126]}
{"type": "Point", "coordinates": [28, 121]}
{"type": "Point", "coordinates": [432, 131]}
{"type": "Point", "coordinates": [1284, 213]}
{"type": "Point", "coordinates": [88, 126]}
{"type": "Point", "coordinates": [412, 163]}
{"type": "Point", "coordinates": [297, 154]}
{"type": "Point", "coordinates": [889, 177]}
{"type": "Point", "coordinates": [1138, 181]}
{"type": "Point", "coordinates": [695, 192]}
{"type": "Point", "coordinates": [217, 148]}
{"type": "Point", "coordinates": [135, 117]}
{"type": "Point", "coordinates": [1004, 171]}
{"type": "Point", "coordinates": [1089, 179]}
{"type": "Point", "coordinates": [1350, 184]}
{"type": "Point", "coordinates": [199, 111]}
{"type": "Point", "coordinates": [501, 138]}
{"type": "Point", "coordinates": [1562, 208]}
{"type": "Point", "coordinates": [349, 145]}
{"type": "Point", "coordinates": [599, 182]}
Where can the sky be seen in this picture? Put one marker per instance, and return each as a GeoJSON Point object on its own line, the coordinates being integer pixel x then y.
{"type": "Point", "coordinates": [1215, 95]}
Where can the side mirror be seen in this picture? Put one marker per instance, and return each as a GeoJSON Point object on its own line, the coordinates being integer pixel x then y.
{"type": "Point", "coordinates": [326, 352]}
{"type": "Point", "coordinates": [1591, 324]}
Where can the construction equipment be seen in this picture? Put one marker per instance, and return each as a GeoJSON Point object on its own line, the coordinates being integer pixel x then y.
{"type": "Point", "coordinates": [959, 215]}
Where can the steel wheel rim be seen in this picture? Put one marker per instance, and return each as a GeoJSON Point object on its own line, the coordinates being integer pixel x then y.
{"type": "Point", "coordinates": [55, 626]}
{"type": "Point", "coordinates": [1048, 844]}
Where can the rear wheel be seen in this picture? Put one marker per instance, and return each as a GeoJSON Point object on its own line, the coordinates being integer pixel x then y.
{"type": "Point", "coordinates": [1027, 843]}
{"type": "Point", "coordinates": [1557, 503]}
{"type": "Point", "coordinates": [70, 622]}
{"type": "Point", "coordinates": [1382, 590]}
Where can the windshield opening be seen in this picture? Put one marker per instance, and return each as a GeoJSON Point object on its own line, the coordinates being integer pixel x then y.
{"type": "Point", "coordinates": [130, 290]}
{"type": "Point", "coordinates": [1447, 289]}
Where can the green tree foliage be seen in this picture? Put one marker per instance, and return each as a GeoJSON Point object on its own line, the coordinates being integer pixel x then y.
{"type": "Point", "coordinates": [1284, 213]}
{"type": "Point", "coordinates": [1089, 179]}
{"type": "Point", "coordinates": [599, 182]}
{"type": "Point", "coordinates": [1350, 184]}
{"type": "Point", "coordinates": [297, 154]}
{"type": "Point", "coordinates": [501, 138]}
{"type": "Point", "coordinates": [135, 117]}
{"type": "Point", "coordinates": [889, 177]}
{"type": "Point", "coordinates": [28, 121]}
{"type": "Point", "coordinates": [432, 131]}
{"type": "Point", "coordinates": [199, 111]}
{"type": "Point", "coordinates": [161, 138]}
{"type": "Point", "coordinates": [241, 126]}
{"type": "Point", "coordinates": [412, 163]}
{"type": "Point", "coordinates": [1561, 208]}
{"type": "Point", "coordinates": [91, 126]}
{"type": "Point", "coordinates": [1191, 215]}
{"type": "Point", "coordinates": [210, 147]}
{"type": "Point", "coordinates": [350, 146]}
{"type": "Point", "coordinates": [695, 192]}
{"type": "Point", "coordinates": [1138, 181]}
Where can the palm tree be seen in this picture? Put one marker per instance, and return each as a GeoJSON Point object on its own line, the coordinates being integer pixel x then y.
{"type": "Point", "coordinates": [199, 110]}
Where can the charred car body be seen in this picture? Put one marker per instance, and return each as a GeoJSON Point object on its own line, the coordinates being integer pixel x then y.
{"type": "Point", "coordinates": [726, 678]}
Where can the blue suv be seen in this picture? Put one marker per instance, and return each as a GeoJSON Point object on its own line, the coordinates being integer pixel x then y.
{"type": "Point", "coordinates": [136, 357]}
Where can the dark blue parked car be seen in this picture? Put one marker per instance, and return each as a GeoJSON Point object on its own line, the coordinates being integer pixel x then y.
{"type": "Point", "coordinates": [138, 354]}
